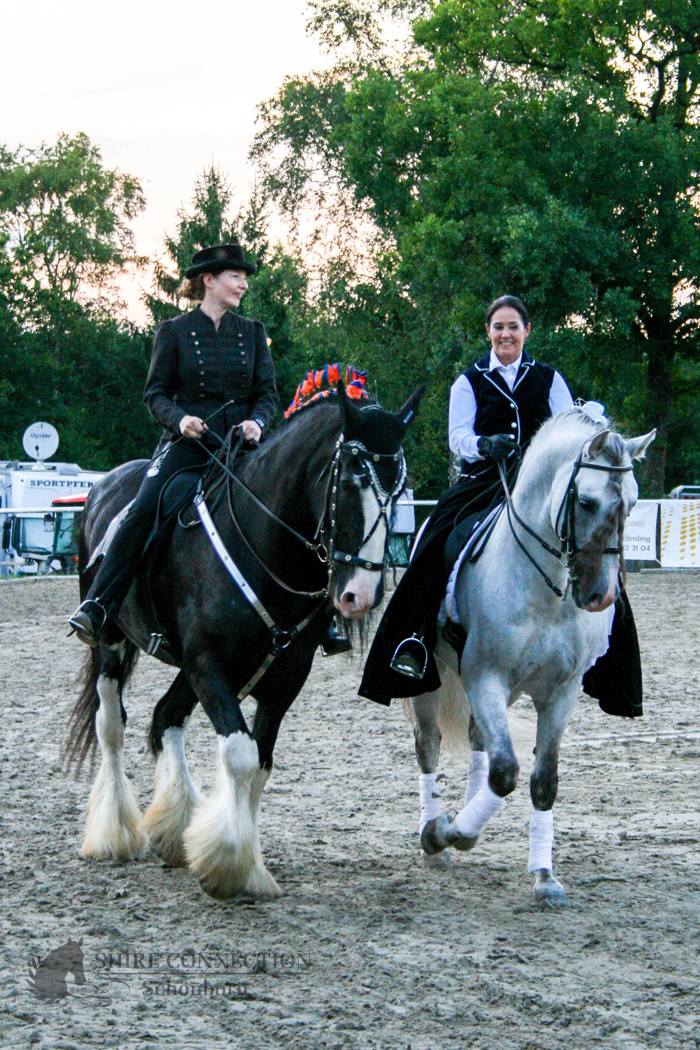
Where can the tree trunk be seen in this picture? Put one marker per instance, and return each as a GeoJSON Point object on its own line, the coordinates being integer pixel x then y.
{"type": "Point", "coordinates": [659, 374]}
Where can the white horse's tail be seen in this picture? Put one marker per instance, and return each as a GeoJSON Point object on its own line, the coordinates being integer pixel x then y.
{"type": "Point", "coordinates": [453, 712]}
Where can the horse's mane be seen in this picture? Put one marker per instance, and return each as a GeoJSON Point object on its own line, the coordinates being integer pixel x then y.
{"type": "Point", "coordinates": [566, 432]}
{"type": "Point", "coordinates": [312, 410]}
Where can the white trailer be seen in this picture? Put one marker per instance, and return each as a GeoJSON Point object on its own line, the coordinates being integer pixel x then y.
{"type": "Point", "coordinates": [27, 491]}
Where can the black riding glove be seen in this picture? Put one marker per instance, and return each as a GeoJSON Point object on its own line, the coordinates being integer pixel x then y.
{"type": "Point", "coordinates": [497, 447]}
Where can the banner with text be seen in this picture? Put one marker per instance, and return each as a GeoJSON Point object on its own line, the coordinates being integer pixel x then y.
{"type": "Point", "coordinates": [640, 532]}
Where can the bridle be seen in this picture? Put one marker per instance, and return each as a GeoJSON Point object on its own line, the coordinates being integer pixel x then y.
{"type": "Point", "coordinates": [324, 541]}
{"type": "Point", "coordinates": [565, 523]}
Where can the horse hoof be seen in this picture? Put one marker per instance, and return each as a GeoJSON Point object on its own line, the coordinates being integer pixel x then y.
{"type": "Point", "coordinates": [548, 891]}
{"type": "Point", "coordinates": [437, 861]}
{"type": "Point", "coordinates": [440, 832]}
{"type": "Point", "coordinates": [461, 842]}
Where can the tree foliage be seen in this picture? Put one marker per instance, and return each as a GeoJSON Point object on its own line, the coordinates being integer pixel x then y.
{"type": "Point", "coordinates": [65, 220]}
{"type": "Point", "coordinates": [548, 148]}
{"type": "Point", "coordinates": [64, 355]}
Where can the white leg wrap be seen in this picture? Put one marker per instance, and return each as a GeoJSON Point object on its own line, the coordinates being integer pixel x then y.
{"type": "Point", "coordinates": [541, 839]}
{"type": "Point", "coordinates": [477, 774]}
{"type": "Point", "coordinates": [429, 789]}
{"type": "Point", "coordinates": [472, 820]}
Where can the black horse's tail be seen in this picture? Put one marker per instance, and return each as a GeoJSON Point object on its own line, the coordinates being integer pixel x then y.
{"type": "Point", "coordinates": [81, 736]}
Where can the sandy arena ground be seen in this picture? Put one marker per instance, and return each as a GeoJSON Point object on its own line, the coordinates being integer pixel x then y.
{"type": "Point", "coordinates": [367, 949]}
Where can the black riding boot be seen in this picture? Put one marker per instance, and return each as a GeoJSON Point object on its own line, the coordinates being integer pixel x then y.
{"type": "Point", "coordinates": [333, 643]}
{"type": "Point", "coordinates": [116, 573]}
{"type": "Point", "coordinates": [113, 580]}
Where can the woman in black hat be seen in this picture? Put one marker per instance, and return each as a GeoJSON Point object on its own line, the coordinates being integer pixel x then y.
{"type": "Point", "coordinates": [211, 369]}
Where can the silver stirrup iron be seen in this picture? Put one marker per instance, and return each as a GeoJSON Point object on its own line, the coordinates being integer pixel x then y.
{"type": "Point", "coordinates": [410, 657]}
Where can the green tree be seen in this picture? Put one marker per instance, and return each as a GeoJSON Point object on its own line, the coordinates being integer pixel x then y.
{"type": "Point", "coordinates": [65, 355]}
{"type": "Point", "coordinates": [65, 218]}
{"type": "Point", "coordinates": [205, 222]}
{"type": "Point", "coordinates": [548, 147]}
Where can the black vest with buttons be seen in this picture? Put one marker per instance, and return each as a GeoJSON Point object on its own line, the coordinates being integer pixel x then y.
{"type": "Point", "coordinates": [195, 370]}
{"type": "Point", "coordinates": [519, 412]}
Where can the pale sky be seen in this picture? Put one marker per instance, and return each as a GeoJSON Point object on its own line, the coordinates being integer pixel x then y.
{"type": "Point", "coordinates": [162, 90]}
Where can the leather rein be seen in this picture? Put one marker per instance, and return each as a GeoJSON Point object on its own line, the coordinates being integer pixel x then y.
{"type": "Point", "coordinates": [323, 542]}
{"type": "Point", "coordinates": [565, 522]}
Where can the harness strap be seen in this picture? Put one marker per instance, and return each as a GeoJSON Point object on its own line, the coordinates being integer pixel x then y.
{"type": "Point", "coordinates": [280, 639]}
{"type": "Point", "coordinates": [229, 564]}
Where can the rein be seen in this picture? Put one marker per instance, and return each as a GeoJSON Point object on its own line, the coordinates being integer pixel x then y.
{"type": "Point", "coordinates": [323, 543]}
{"type": "Point", "coordinates": [567, 513]}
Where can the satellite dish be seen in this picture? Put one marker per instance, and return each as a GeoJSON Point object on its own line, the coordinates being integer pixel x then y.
{"type": "Point", "coordinates": [40, 440]}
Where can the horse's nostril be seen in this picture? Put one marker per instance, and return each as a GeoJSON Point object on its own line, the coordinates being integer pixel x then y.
{"type": "Point", "coordinates": [349, 598]}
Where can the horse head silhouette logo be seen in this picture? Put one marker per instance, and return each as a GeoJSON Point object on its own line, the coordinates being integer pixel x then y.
{"type": "Point", "coordinates": [48, 976]}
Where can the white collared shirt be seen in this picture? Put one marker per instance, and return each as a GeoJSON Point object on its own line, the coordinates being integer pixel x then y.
{"type": "Point", "coordinates": [462, 437]}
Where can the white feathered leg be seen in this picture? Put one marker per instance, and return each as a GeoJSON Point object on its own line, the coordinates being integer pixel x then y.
{"type": "Point", "coordinates": [174, 800]}
{"type": "Point", "coordinates": [222, 842]}
{"type": "Point", "coordinates": [113, 817]}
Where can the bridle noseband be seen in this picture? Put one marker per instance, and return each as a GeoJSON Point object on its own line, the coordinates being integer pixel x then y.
{"type": "Point", "coordinates": [567, 510]}
{"type": "Point", "coordinates": [565, 522]}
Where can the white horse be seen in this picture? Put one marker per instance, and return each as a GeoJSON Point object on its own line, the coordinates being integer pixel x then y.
{"type": "Point", "coordinates": [534, 610]}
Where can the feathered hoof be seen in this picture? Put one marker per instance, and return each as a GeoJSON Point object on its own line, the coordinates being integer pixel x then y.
{"type": "Point", "coordinates": [260, 886]}
{"type": "Point", "coordinates": [171, 852]}
{"type": "Point", "coordinates": [548, 891]}
{"type": "Point", "coordinates": [123, 845]}
{"type": "Point", "coordinates": [112, 827]}
{"type": "Point", "coordinates": [165, 829]}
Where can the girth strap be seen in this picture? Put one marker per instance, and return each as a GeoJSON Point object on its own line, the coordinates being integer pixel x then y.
{"type": "Point", "coordinates": [280, 639]}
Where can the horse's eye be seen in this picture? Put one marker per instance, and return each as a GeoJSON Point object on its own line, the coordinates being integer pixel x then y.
{"type": "Point", "coordinates": [589, 504]}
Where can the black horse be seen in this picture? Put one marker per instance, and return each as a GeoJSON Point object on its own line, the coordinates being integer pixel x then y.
{"type": "Point", "coordinates": [242, 591]}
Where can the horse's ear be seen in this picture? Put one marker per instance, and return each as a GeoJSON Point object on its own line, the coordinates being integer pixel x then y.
{"type": "Point", "coordinates": [350, 415]}
{"type": "Point", "coordinates": [637, 447]}
{"type": "Point", "coordinates": [596, 445]}
{"type": "Point", "coordinates": [80, 942]}
{"type": "Point", "coordinates": [406, 415]}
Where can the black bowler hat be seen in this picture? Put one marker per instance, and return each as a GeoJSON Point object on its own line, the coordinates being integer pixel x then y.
{"type": "Point", "coordinates": [220, 257]}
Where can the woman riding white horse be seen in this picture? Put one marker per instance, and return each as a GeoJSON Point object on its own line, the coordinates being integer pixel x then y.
{"type": "Point", "coordinates": [535, 608]}
{"type": "Point", "coordinates": [496, 407]}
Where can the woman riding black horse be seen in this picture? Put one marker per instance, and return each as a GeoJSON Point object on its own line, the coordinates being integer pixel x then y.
{"type": "Point", "coordinates": [211, 370]}
{"type": "Point", "coordinates": [496, 407]}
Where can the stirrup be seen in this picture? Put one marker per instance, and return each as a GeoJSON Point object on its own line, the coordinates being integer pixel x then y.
{"type": "Point", "coordinates": [410, 658]}
{"type": "Point", "coordinates": [84, 625]}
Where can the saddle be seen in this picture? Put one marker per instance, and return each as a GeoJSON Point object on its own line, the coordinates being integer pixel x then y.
{"type": "Point", "coordinates": [467, 541]}
{"type": "Point", "coordinates": [178, 493]}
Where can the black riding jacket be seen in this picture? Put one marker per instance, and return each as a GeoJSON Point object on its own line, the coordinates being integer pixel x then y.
{"type": "Point", "coordinates": [196, 369]}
